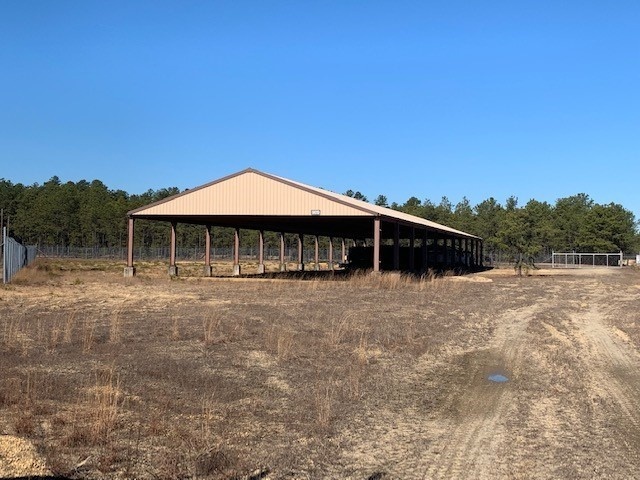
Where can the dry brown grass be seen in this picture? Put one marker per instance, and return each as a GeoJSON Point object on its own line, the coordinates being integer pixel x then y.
{"type": "Point", "coordinates": [280, 341]}
{"type": "Point", "coordinates": [69, 326]}
{"type": "Point", "coordinates": [219, 378]}
{"type": "Point", "coordinates": [324, 400]}
{"type": "Point", "coordinates": [39, 272]}
{"type": "Point", "coordinates": [115, 325]}
{"type": "Point", "coordinates": [104, 400]}
{"type": "Point", "coordinates": [211, 331]}
{"type": "Point", "coordinates": [88, 334]}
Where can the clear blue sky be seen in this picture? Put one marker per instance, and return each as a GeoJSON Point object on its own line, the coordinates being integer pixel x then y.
{"type": "Point", "coordinates": [537, 99]}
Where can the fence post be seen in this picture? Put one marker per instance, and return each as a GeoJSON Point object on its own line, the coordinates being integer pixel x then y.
{"type": "Point", "coordinates": [4, 255]}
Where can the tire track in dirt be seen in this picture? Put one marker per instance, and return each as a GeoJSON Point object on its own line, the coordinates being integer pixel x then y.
{"type": "Point", "coordinates": [468, 446]}
{"type": "Point", "coordinates": [568, 411]}
{"type": "Point", "coordinates": [612, 366]}
{"type": "Point", "coordinates": [454, 435]}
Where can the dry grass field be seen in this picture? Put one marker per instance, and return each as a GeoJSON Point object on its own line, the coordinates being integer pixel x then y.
{"type": "Point", "coordinates": [362, 377]}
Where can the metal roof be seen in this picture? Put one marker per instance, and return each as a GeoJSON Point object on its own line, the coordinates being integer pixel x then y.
{"type": "Point", "coordinates": [257, 200]}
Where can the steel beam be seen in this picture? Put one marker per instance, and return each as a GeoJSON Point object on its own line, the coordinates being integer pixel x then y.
{"type": "Point", "coordinates": [236, 252]}
{"type": "Point", "coordinates": [330, 253]}
{"type": "Point", "coordinates": [130, 270]}
{"type": "Point", "coordinates": [260, 251]}
{"type": "Point", "coordinates": [173, 269]}
{"type": "Point", "coordinates": [376, 244]}
{"type": "Point", "coordinates": [208, 271]}
{"type": "Point", "coordinates": [300, 252]}
{"type": "Point", "coordinates": [283, 265]}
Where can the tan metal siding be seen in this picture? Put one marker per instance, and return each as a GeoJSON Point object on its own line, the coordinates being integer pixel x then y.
{"type": "Point", "coordinates": [255, 193]}
{"type": "Point", "coordinates": [250, 194]}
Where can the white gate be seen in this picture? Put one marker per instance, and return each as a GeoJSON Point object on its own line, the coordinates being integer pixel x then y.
{"type": "Point", "coordinates": [585, 260]}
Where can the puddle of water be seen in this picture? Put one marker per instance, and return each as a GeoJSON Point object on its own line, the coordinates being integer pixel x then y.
{"type": "Point", "coordinates": [496, 377]}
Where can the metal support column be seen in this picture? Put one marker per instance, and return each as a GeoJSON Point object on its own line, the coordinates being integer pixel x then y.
{"type": "Point", "coordinates": [465, 254]}
{"type": "Point", "coordinates": [343, 252]}
{"type": "Point", "coordinates": [208, 271]}
{"type": "Point", "coordinates": [300, 252]}
{"type": "Point", "coordinates": [316, 254]}
{"type": "Point", "coordinates": [261, 252]}
{"type": "Point", "coordinates": [173, 268]}
{"type": "Point", "coordinates": [331, 253]}
{"type": "Point", "coordinates": [445, 253]}
{"type": "Point", "coordinates": [472, 253]}
{"type": "Point", "coordinates": [236, 252]}
{"type": "Point", "coordinates": [376, 244]}
{"type": "Point", "coordinates": [283, 265]}
{"type": "Point", "coordinates": [130, 270]}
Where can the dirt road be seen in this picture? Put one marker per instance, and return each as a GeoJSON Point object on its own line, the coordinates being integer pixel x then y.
{"type": "Point", "coordinates": [569, 408]}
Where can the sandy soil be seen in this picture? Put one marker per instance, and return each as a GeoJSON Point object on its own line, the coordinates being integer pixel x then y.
{"type": "Point", "coordinates": [18, 458]}
{"type": "Point", "coordinates": [423, 407]}
{"type": "Point", "coordinates": [568, 409]}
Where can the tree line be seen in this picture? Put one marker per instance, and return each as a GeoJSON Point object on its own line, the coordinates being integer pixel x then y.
{"type": "Point", "coordinates": [89, 214]}
{"type": "Point", "coordinates": [571, 224]}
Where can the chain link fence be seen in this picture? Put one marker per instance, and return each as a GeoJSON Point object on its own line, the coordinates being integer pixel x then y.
{"type": "Point", "coordinates": [196, 254]}
{"type": "Point", "coordinates": [586, 260]}
{"type": "Point", "coordinates": [14, 256]}
{"type": "Point", "coordinates": [182, 253]}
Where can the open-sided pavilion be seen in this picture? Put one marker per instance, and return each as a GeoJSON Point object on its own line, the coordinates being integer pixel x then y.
{"type": "Point", "coordinates": [255, 200]}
